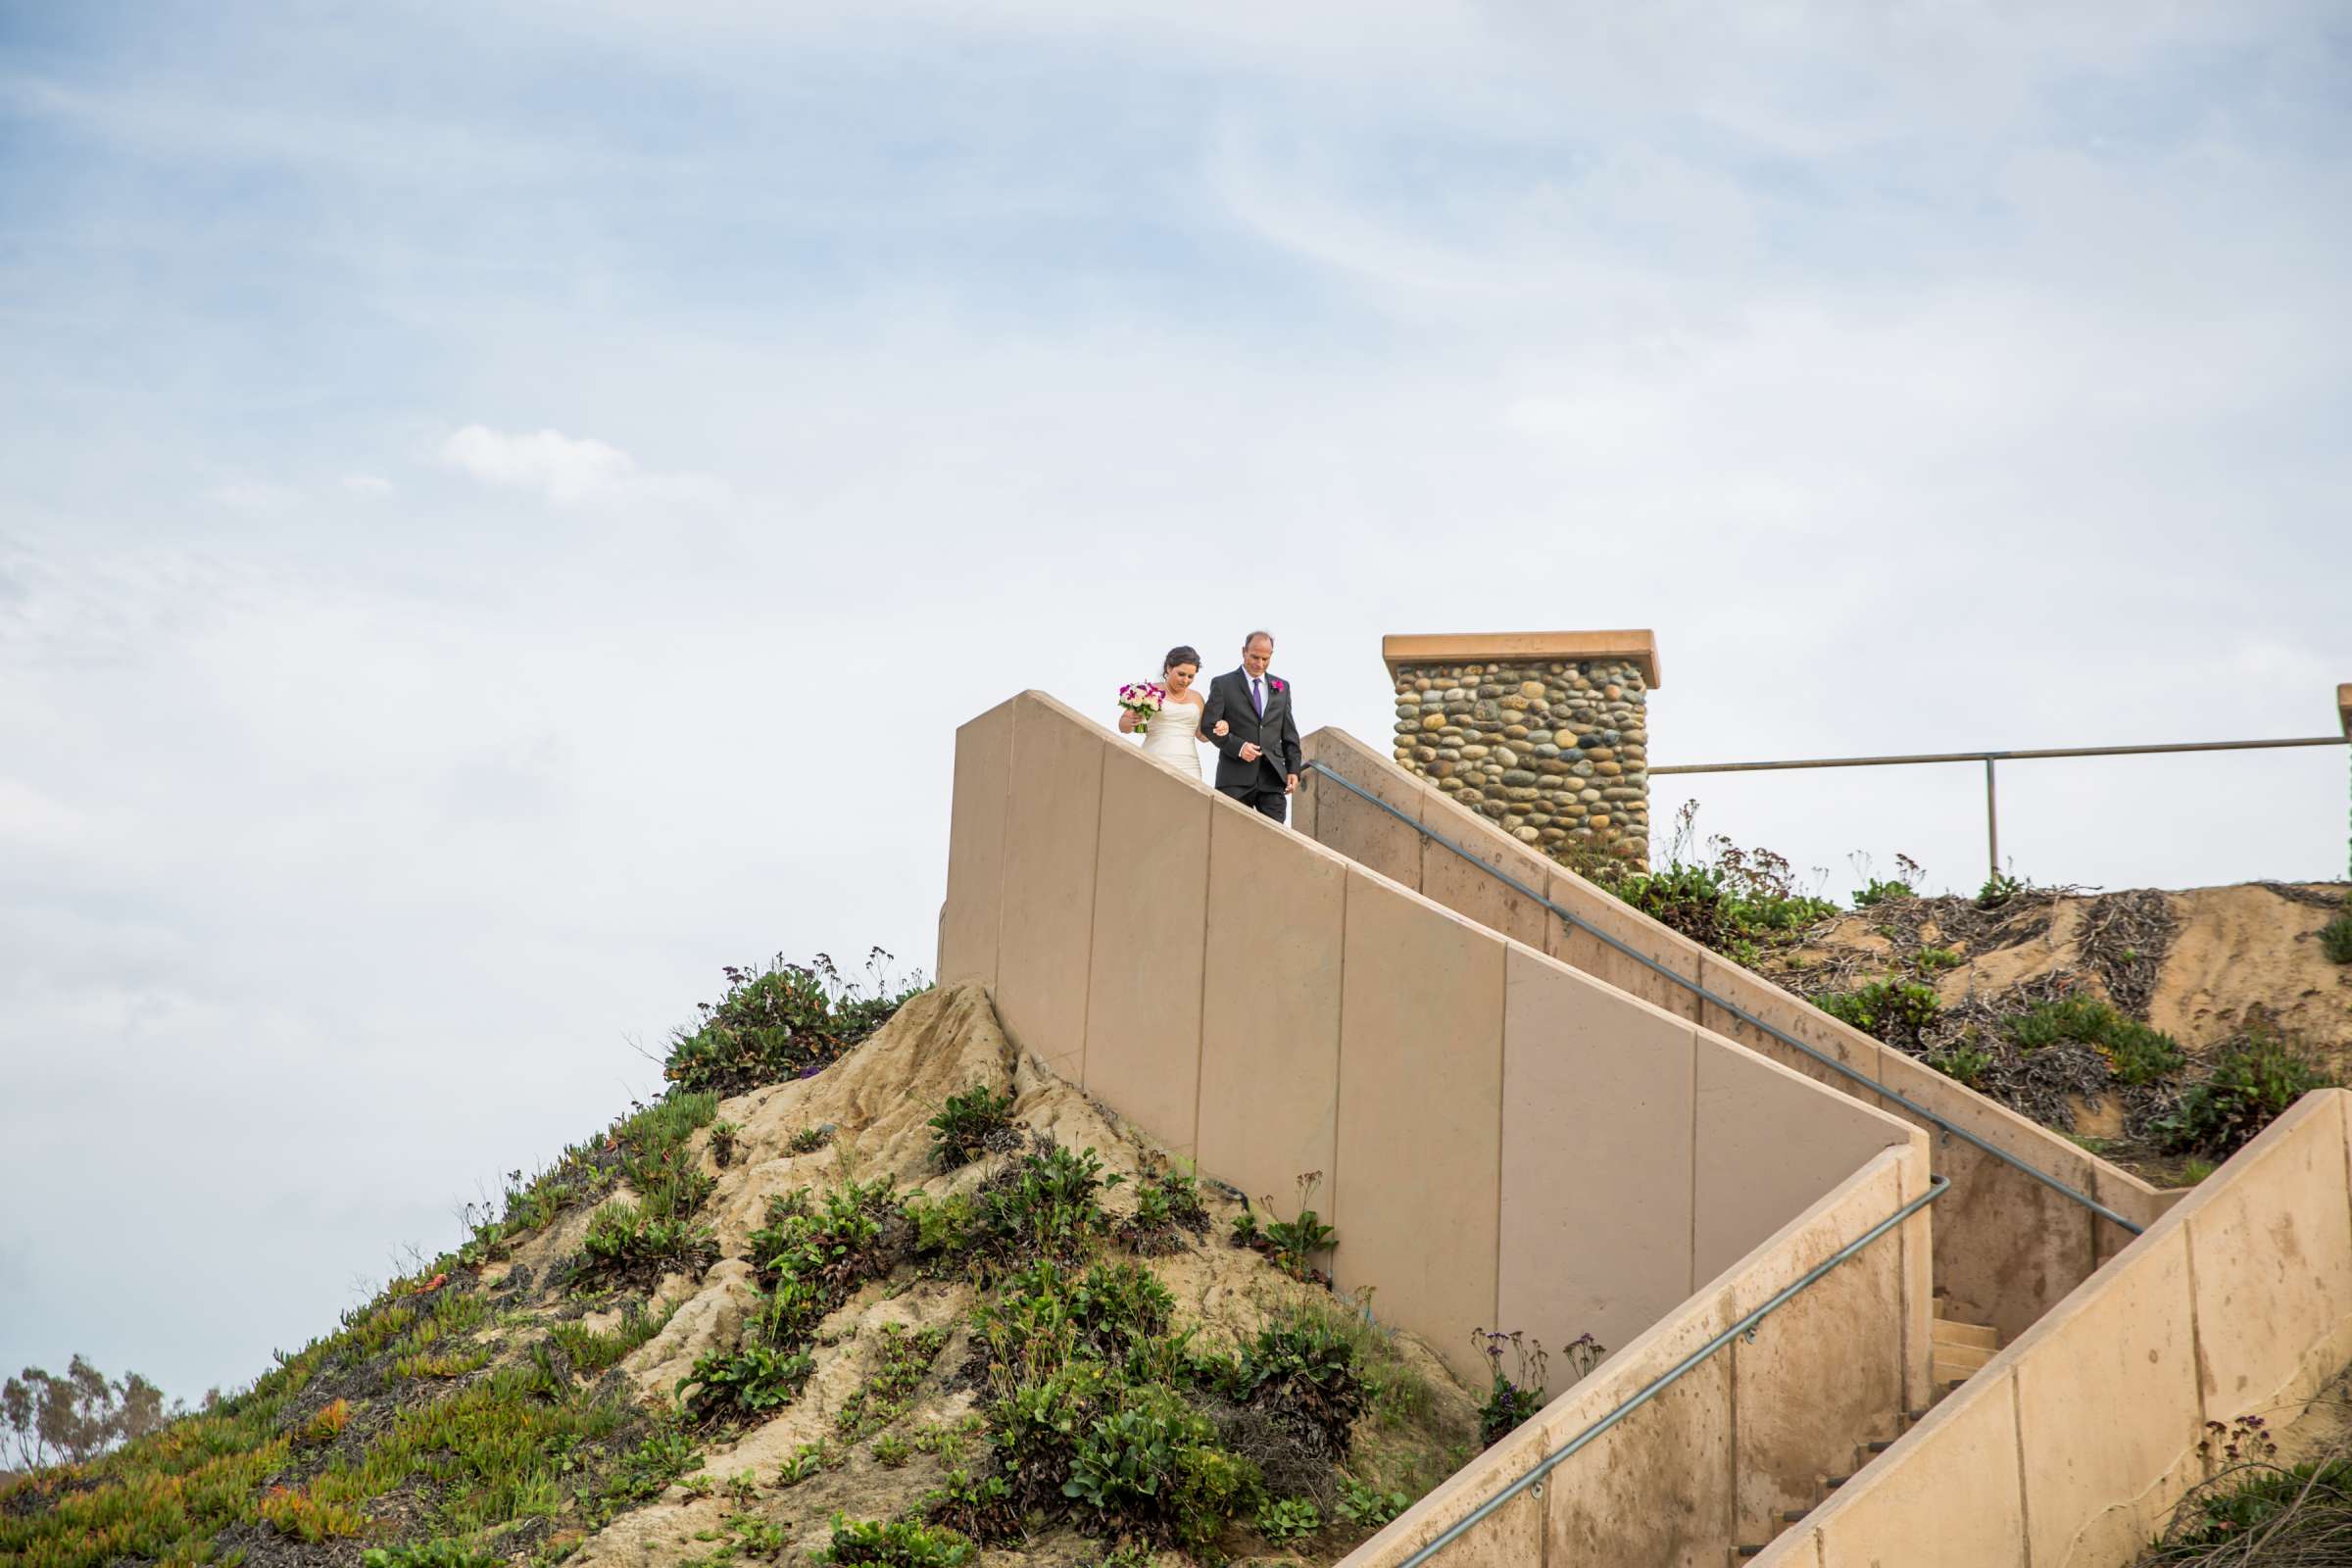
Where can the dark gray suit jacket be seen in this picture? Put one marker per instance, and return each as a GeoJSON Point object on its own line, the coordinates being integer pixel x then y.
{"type": "Point", "coordinates": [1276, 733]}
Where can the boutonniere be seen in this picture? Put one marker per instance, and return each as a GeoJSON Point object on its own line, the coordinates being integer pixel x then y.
{"type": "Point", "coordinates": [1277, 685]}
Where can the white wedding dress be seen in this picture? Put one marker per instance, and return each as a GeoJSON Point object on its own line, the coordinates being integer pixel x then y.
{"type": "Point", "coordinates": [1173, 738]}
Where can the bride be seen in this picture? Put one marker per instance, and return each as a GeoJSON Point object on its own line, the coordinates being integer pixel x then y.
{"type": "Point", "coordinates": [1174, 735]}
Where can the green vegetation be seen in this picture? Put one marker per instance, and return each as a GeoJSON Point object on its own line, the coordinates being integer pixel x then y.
{"type": "Point", "coordinates": [592, 1351]}
{"type": "Point", "coordinates": [1366, 1508]}
{"type": "Point", "coordinates": [1892, 1011]}
{"type": "Point", "coordinates": [1512, 1397]}
{"type": "Point", "coordinates": [1739, 903]}
{"type": "Point", "coordinates": [1963, 1063]}
{"type": "Point", "coordinates": [442, 1552]}
{"type": "Point", "coordinates": [1292, 1244]}
{"type": "Point", "coordinates": [785, 1020]}
{"type": "Point", "coordinates": [1045, 1204]}
{"type": "Point", "coordinates": [2335, 938]}
{"type": "Point", "coordinates": [2137, 1053]}
{"type": "Point", "coordinates": [1167, 1206]}
{"type": "Point", "coordinates": [897, 1543]}
{"type": "Point", "coordinates": [638, 1242]}
{"type": "Point", "coordinates": [809, 1459]}
{"type": "Point", "coordinates": [904, 1358]}
{"type": "Point", "coordinates": [972, 1124]}
{"type": "Point", "coordinates": [472, 1415]}
{"type": "Point", "coordinates": [808, 1258]}
{"type": "Point", "coordinates": [2251, 1084]}
{"type": "Point", "coordinates": [1288, 1519]}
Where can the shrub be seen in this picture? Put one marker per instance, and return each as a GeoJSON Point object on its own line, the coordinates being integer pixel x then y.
{"type": "Point", "coordinates": [809, 1139]}
{"type": "Point", "coordinates": [1301, 1371]}
{"type": "Point", "coordinates": [782, 1021]}
{"type": "Point", "coordinates": [1154, 1465]}
{"type": "Point", "coordinates": [2335, 938]}
{"type": "Point", "coordinates": [1046, 1316]}
{"type": "Point", "coordinates": [974, 1123]}
{"type": "Point", "coordinates": [943, 1227]}
{"type": "Point", "coordinates": [1963, 1064]}
{"type": "Point", "coordinates": [2251, 1085]}
{"type": "Point", "coordinates": [2137, 1054]}
{"type": "Point", "coordinates": [1166, 1203]}
{"type": "Point", "coordinates": [1510, 1400]}
{"type": "Point", "coordinates": [1999, 887]}
{"type": "Point", "coordinates": [891, 1452]}
{"type": "Point", "coordinates": [1894, 1011]}
{"type": "Point", "coordinates": [640, 1242]}
{"type": "Point", "coordinates": [749, 1382]}
{"type": "Point", "coordinates": [1736, 902]}
{"type": "Point", "coordinates": [897, 1543]}
{"type": "Point", "coordinates": [980, 1507]}
{"type": "Point", "coordinates": [809, 1459]}
{"type": "Point", "coordinates": [1045, 1206]}
{"type": "Point", "coordinates": [1288, 1519]}
{"type": "Point", "coordinates": [1292, 1244]}
{"type": "Point", "coordinates": [1366, 1508]}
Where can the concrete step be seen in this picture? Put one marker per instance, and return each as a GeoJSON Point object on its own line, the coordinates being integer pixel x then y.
{"type": "Point", "coordinates": [1960, 1360]}
{"type": "Point", "coordinates": [1976, 1336]}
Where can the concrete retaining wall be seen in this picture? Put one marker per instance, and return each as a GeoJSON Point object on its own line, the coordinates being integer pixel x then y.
{"type": "Point", "coordinates": [1505, 1142]}
{"type": "Point", "coordinates": [2070, 1449]}
{"type": "Point", "coordinates": [1710, 1464]}
{"type": "Point", "coordinates": [2007, 1247]}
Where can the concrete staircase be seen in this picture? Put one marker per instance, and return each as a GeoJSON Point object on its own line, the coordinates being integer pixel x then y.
{"type": "Point", "coordinates": [1961, 1349]}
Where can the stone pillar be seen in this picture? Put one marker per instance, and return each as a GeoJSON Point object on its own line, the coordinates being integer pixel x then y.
{"type": "Point", "coordinates": [1544, 732]}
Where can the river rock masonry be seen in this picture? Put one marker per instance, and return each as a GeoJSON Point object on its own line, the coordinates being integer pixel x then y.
{"type": "Point", "coordinates": [1543, 732]}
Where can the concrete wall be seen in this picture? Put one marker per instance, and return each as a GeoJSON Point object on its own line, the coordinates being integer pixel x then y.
{"type": "Point", "coordinates": [1712, 1462]}
{"type": "Point", "coordinates": [1503, 1140]}
{"type": "Point", "coordinates": [2007, 1247]}
{"type": "Point", "coordinates": [2070, 1449]}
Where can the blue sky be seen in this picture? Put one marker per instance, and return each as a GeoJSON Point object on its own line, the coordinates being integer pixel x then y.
{"type": "Point", "coordinates": [505, 505]}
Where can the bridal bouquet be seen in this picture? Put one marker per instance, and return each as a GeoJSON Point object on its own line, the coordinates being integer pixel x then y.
{"type": "Point", "coordinates": [1143, 697]}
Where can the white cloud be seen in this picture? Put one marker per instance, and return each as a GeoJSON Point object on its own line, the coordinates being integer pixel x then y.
{"type": "Point", "coordinates": [568, 472]}
{"type": "Point", "coordinates": [368, 486]}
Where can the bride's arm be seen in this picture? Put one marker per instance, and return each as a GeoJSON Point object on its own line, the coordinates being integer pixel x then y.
{"type": "Point", "coordinates": [1126, 721]}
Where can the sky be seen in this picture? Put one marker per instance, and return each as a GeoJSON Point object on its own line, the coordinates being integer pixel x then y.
{"type": "Point", "coordinates": [503, 507]}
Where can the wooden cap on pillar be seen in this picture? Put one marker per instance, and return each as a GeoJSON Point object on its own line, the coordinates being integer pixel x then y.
{"type": "Point", "coordinates": [1637, 648]}
{"type": "Point", "coordinates": [2343, 708]}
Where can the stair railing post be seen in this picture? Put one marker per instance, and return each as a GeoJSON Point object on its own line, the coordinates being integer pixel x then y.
{"type": "Point", "coordinates": [1992, 823]}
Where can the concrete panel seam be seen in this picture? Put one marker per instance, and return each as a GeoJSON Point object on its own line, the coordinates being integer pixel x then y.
{"type": "Point", "coordinates": [995, 966]}
{"type": "Point", "coordinates": [1209, 857]}
{"type": "Point", "coordinates": [1338, 1078]}
{"type": "Point", "coordinates": [2024, 1497]}
{"type": "Point", "coordinates": [1085, 1002]}
{"type": "Point", "coordinates": [1502, 1011]}
{"type": "Point", "coordinates": [2196, 1332]}
{"type": "Point", "coordinates": [1691, 1250]}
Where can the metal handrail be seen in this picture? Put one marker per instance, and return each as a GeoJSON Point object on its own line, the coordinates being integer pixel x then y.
{"type": "Point", "coordinates": [1938, 1186]}
{"type": "Point", "coordinates": [1993, 820]}
{"type": "Point", "coordinates": [1734, 1009]}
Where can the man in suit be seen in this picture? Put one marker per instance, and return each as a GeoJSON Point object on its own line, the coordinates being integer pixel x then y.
{"type": "Point", "coordinates": [1257, 756]}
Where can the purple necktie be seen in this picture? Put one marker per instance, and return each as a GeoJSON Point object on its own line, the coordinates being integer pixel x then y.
{"type": "Point", "coordinates": [1257, 697]}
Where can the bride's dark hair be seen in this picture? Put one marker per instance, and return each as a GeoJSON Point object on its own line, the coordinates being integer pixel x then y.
{"type": "Point", "coordinates": [1180, 654]}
